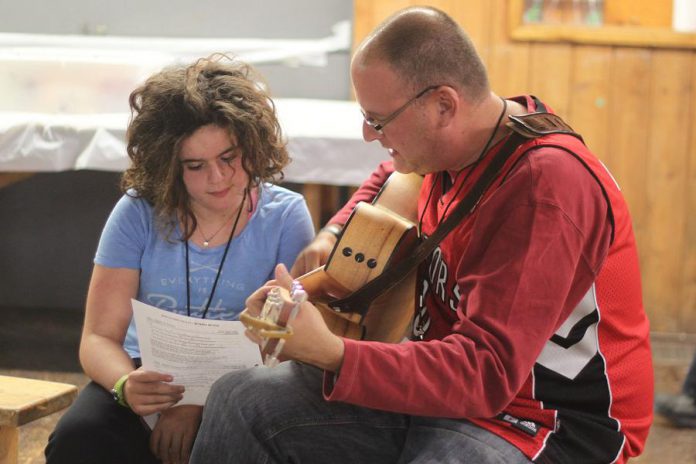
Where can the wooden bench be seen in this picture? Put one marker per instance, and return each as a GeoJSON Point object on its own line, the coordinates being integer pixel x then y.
{"type": "Point", "coordinates": [23, 401]}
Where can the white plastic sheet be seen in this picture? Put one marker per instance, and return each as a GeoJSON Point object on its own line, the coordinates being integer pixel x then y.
{"type": "Point", "coordinates": [64, 102]}
{"type": "Point", "coordinates": [324, 141]}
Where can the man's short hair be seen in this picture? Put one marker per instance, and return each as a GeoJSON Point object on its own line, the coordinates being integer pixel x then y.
{"type": "Point", "coordinates": [425, 46]}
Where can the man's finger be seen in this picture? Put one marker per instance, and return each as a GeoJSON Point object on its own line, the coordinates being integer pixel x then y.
{"type": "Point", "coordinates": [253, 337]}
{"type": "Point", "coordinates": [283, 276]}
{"type": "Point", "coordinates": [298, 267]}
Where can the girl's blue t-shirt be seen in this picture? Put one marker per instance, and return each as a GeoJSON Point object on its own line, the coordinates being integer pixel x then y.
{"type": "Point", "coordinates": [279, 228]}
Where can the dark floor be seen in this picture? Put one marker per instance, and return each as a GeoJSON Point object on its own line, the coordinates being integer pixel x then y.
{"type": "Point", "coordinates": [43, 344]}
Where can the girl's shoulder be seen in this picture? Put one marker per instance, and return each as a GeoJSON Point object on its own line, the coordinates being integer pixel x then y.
{"type": "Point", "coordinates": [132, 204]}
{"type": "Point", "coordinates": [276, 197]}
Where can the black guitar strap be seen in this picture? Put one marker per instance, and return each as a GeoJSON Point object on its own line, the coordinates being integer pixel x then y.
{"type": "Point", "coordinates": [523, 128]}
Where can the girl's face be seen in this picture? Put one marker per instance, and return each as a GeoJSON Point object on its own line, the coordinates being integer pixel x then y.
{"type": "Point", "coordinates": [212, 170]}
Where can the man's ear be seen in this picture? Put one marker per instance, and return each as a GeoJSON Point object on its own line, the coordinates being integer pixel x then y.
{"type": "Point", "coordinates": [448, 104]}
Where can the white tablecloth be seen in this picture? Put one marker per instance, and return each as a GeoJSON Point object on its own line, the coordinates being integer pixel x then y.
{"type": "Point", "coordinates": [324, 141]}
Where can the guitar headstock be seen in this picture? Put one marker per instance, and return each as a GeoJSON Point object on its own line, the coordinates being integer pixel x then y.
{"type": "Point", "coordinates": [273, 323]}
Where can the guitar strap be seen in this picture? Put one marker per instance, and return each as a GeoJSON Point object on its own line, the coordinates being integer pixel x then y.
{"type": "Point", "coordinates": [523, 127]}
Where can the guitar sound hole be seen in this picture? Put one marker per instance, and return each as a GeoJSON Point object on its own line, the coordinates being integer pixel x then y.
{"type": "Point", "coordinates": [347, 251]}
{"type": "Point", "coordinates": [359, 257]}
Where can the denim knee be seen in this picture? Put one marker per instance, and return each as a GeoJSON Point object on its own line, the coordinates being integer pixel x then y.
{"type": "Point", "coordinates": [242, 389]}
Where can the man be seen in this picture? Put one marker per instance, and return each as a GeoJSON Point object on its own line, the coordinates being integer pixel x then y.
{"type": "Point", "coordinates": [530, 343]}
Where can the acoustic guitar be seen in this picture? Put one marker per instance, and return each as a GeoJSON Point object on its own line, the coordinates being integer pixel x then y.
{"type": "Point", "coordinates": [376, 237]}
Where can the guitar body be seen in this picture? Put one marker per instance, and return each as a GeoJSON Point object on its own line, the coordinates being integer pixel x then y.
{"type": "Point", "coordinates": [376, 236]}
{"type": "Point", "coordinates": [388, 319]}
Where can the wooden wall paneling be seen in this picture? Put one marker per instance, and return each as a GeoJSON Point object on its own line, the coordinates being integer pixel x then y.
{"type": "Point", "coordinates": [648, 13]}
{"type": "Point", "coordinates": [688, 302]}
{"type": "Point", "coordinates": [331, 202]}
{"type": "Point", "coordinates": [508, 62]}
{"type": "Point", "coordinates": [589, 94]}
{"type": "Point", "coordinates": [666, 189]}
{"type": "Point", "coordinates": [363, 12]}
{"type": "Point", "coordinates": [629, 110]}
{"type": "Point", "coordinates": [629, 135]}
{"type": "Point", "coordinates": [444, 5]}
{"type": "Point", "coordinates": [313, 197]}
{"type": "Point", "coordinates": [475, 17]}
{"type": "Point", "coordinates": [368, 14]}
{"type": "Point", "coordinates": [549, 75]}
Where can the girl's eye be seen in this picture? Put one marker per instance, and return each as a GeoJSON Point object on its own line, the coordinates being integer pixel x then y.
{"type": "Point", "coordinates": [193, 166]}
{"type": "Point", "coordinates": [228, 159]}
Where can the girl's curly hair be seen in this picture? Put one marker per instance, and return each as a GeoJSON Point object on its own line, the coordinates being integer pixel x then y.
{"type": "Point", "coordinates": [178, 100]}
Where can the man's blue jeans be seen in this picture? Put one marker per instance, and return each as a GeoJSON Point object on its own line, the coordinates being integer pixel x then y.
{"type": "Point", "coordinates": [279, 415]}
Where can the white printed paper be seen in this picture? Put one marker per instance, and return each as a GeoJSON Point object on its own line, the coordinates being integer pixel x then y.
{"type": "Point", "coordinates": [196, 352]}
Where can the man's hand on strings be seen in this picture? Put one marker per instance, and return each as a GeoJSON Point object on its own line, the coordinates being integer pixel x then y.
{"type": "Point", "coordinates": [312, 342]}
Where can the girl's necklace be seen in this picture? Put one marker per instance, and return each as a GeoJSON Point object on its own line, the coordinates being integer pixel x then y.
{"type": "Point", "coordinates": [219, 270]}
{"type": "Point", "coordinates": [207, 240]}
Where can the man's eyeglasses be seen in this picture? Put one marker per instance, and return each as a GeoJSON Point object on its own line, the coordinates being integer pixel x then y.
{"type": "Point", "coordinates": [378, 125]}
